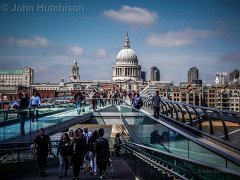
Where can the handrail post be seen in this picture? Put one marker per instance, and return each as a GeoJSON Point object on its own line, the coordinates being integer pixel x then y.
{"type": "Point", "coordinates": [183, 118]}
{"type": "Point", "coordinates": [224, 126]}
{"type": "Point", "coordinates": [190, 117]}
{"type": "Point", "coordinates": [199, 119]}
{"type": "Point", "coordinates": [210, 122]}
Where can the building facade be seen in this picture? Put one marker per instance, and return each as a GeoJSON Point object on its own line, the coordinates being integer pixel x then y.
{"type": "Point", "coordinates": [24, 77]}
{"type": "Point", "coordinates": [221, 96]}
{"type": "Point", "coordinates": [192, 74]}
{"type": "Point", "coordinates": [154, 74]}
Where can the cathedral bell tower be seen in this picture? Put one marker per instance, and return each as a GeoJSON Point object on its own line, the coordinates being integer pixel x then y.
{"type": "Point", "coordinates": [75, 77]}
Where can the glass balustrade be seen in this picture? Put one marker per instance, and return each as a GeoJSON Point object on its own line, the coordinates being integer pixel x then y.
{"type": "Point", "coordinates": [145, 130]}
{"type": "Point", "coordinates": [20, 122]}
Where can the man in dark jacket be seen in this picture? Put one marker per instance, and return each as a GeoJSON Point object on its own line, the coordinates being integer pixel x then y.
{"type": "Point", "coordinates": [156, 104]}
{"type": "Point", "coordinates": [42, 147]}
{"type": "Point", "coordinates": [102, 151]}
{"type": "Point", "coordinates": [78, 151]}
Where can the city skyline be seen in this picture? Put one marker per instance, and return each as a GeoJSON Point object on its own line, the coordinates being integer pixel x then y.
{"type": "Point", "coordinates": [172, 35]}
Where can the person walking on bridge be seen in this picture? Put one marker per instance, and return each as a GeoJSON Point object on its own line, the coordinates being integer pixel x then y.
{"type": "Point", "coordinates": [42, 147]}
{"type": "Point", "coordinates": [156, 104]}
{"type": "Point", "coordinates": [102, 152]}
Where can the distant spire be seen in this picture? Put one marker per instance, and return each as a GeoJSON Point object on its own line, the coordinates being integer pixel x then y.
{"type": "Point", "coordinates": [62, 79]}
{"type": "Point", "coordinates": [127, 43]}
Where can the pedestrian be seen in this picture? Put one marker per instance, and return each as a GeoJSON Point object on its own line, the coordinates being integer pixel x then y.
{"type": "Point", "coordinates": [42, 147]}
{"type": "Point", "coordinates": [137, 102]}
{"type": "Point", "coordinates": [34, 103]}
{"type": "Point", "coordinates": [79, 99]}
{"type": "Point", "coordinates": [87, 134]}
{"type": "Point", "coordinates": [71, 137]}
{"type": "Point", "coordinates": [102, 152]}
{"type": "Point", "coordinates": [94, 102]}
{"type": "Point", "coordinates": [156, 104]}
{"type": "Point", "coordinates": [23, 105]}
{"type": "Point", "coordinates": [78, 151]}
{"type": "Point", "coordinates": [117, 144]}
{"type": "Point", "coordinates": [63, 153]}
{"type": "Point", "coordinates": [92, 153]}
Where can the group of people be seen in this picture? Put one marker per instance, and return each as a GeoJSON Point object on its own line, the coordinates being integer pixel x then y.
{"type": "Point", "coordinates": [98, 98]}
{"type": "Point", "coordinates": [24, 103]}
{"type": "Point", "coordinates": [113, 97]}
{"type": "Point", "coordinates": [77, 149]}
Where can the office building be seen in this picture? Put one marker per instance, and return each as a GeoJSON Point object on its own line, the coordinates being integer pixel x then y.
{"type": "Point", "coordinates": [192, 74]}
{"type": "Point", "coordinates": [155, 74]}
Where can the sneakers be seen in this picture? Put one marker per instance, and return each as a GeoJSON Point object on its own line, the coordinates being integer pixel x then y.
{"type": "Point", "coordinates": [101, 177]}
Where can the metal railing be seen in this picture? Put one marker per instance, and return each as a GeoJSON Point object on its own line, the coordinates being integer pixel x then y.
{"type": "Point", "coordinates": [177, 166]}
{"type": "Point", "coordinates": [221, 124]}
{"type": "Point", "coordinates": [174, 140]}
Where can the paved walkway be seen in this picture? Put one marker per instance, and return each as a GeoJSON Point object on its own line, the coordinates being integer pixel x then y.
{"type": "Point", "coordinates": [120, 171]}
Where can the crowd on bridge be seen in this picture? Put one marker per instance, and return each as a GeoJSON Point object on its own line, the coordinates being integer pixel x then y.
{"type": "Point", "coordinates": [95, 98]}
{"type": "Point", "coordinates": [82, 150]}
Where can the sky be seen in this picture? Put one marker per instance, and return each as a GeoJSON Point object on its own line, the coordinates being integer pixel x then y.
{"type": "Point", "coordinates": [173, 35]}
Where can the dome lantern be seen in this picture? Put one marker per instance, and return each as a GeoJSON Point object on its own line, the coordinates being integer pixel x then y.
{"type": "Point", "coordinates": [127, 43]}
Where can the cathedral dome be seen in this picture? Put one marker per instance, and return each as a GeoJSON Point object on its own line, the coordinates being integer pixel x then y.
{"type": "Point", "coordinates": [127, 55]}
{"type": "Point", "coordinates": [126, 66]}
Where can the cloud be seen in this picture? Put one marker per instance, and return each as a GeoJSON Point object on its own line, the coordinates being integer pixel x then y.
{"type": "Point", "coordinates": [132, 15]}
{"type": "Point", "coordinates": [179, 38]}
{"type": "Point", "coordinates": [74, 50]}
{"type": "Point", "coordinates": [101, 53]}
{"type": "Point", "coordinates": [32, 42]}
{"type": "Point", "coordinates": [231, 58]}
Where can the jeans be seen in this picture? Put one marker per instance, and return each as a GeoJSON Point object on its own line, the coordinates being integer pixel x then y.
{"type": "Point", "coordinates": [93, 161]}
{"type": "Point", "coordinates": [63, 160]}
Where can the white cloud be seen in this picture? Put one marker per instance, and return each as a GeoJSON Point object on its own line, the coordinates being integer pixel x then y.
{"type": "Point", "coordinates": [74, 50]}
{"type": "Point", "coordinates": [132, 15]}
{"type": "Point", "coordinates": [179, 38]}
{"type": "Point", "coordinates": [32, 42]}
{"type": "Point", "coordinates": [101, 53]}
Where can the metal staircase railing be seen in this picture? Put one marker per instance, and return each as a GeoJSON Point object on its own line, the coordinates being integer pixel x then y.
{"type": "Point", "coordinates": [178, 167]}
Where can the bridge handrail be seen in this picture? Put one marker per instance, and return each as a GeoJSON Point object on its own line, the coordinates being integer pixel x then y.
{"type": "Point", "coordinates": [182, 159]}
{"type": "Point", "coordinates": [215, 150]}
